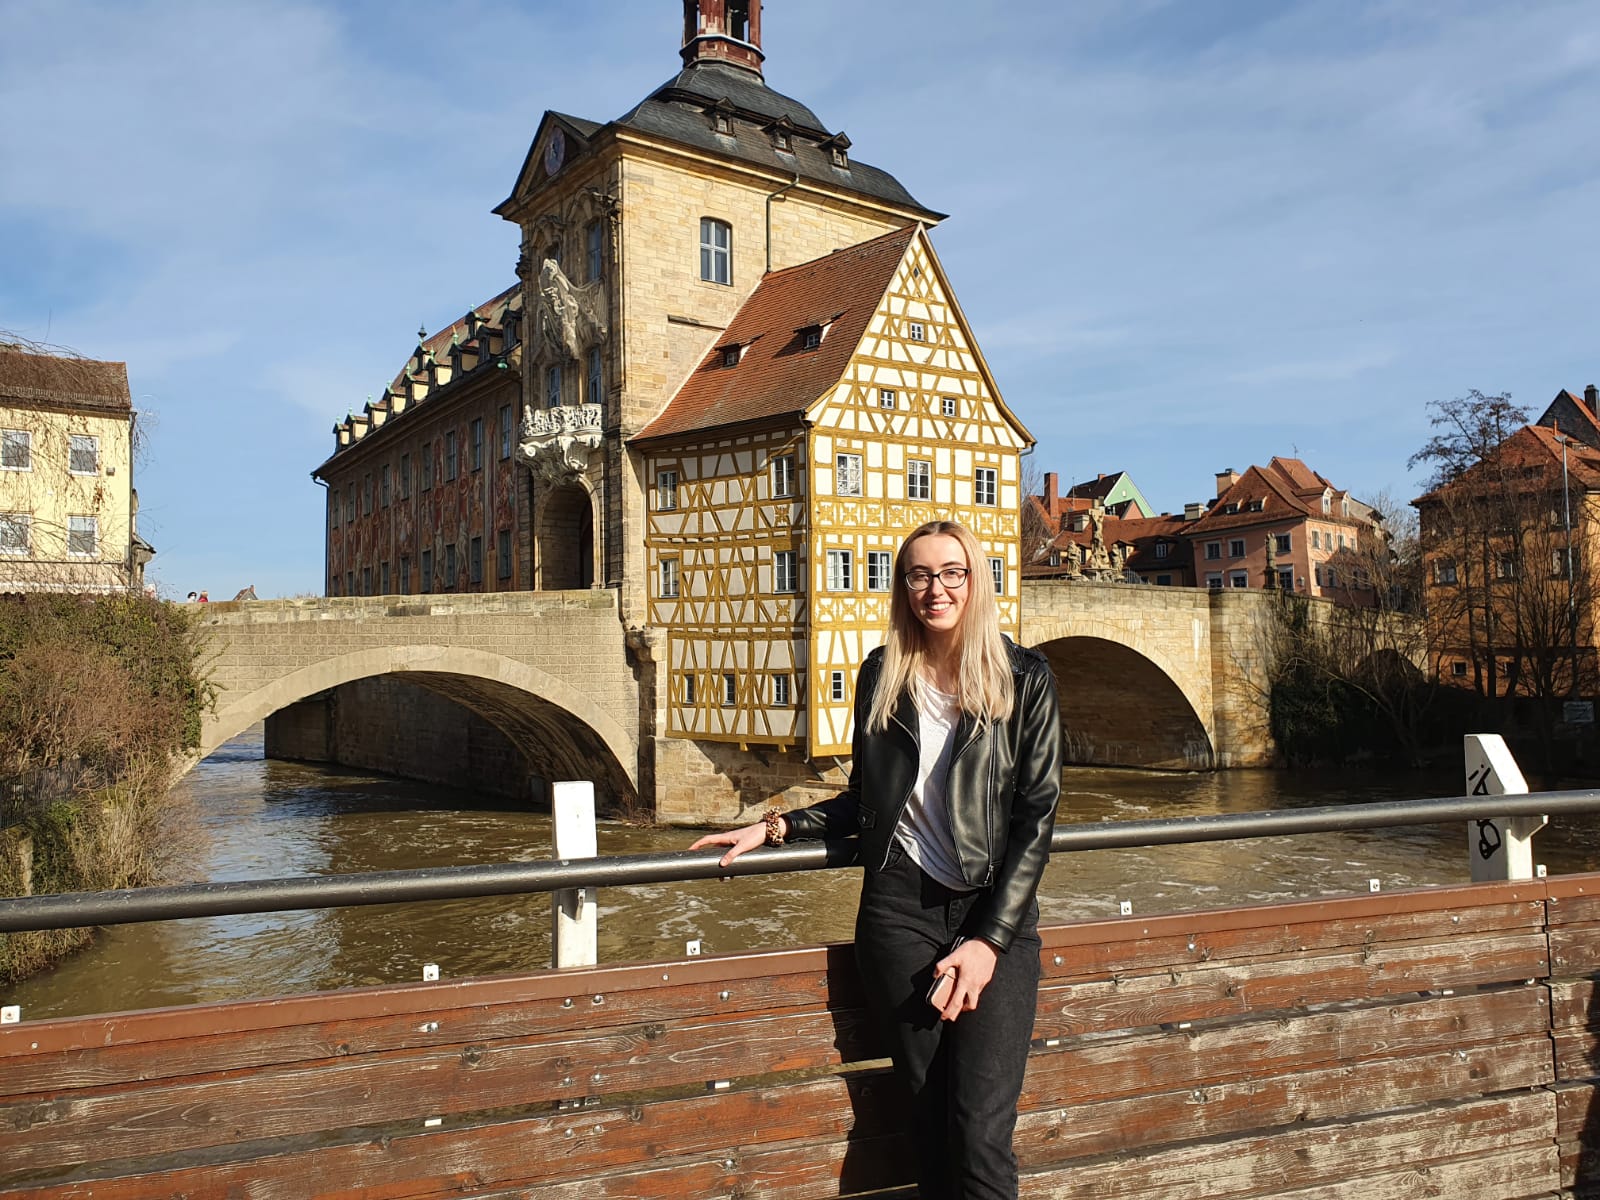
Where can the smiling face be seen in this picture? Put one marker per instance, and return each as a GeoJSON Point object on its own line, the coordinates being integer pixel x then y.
{"type": "Point", "coordinates": [939, 608]}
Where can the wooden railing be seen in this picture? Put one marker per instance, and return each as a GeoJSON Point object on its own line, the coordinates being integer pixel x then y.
{"type": "Point", "coordinates": [1439, 1042]}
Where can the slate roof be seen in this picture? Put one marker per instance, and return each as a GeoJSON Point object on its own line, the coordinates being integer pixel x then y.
{"type": "Point", "coordinates": [58, 381]}
{"type": "Point", "coordinates": [776, 375]}
{"type": "Point", "coordinates": [676, 111]}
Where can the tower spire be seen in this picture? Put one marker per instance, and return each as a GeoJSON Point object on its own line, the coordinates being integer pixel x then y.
{"type": "Point", "coordinates": [726, 31]}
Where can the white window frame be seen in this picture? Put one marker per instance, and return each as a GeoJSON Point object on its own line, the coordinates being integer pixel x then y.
{"type": "Point", "coordinates": [916, 332]}
{"type": "Point", "coordinates": [1283, 543]}
{"type": "Point", "coordinates": [836, 691]}
{"type": "Point", "coordinates": [1239, 579]}
{"type": "Point", "coordinates": [784, 577]}
{"type": "Point", "coordinates": [11, 441]}
{"type": "Point", "coordinates": [669, 580]}
{"type": "Point", "coordinates": [997, 573]}
{"type": "Point", "coordinates": [986, 486]}
{"type": "Point", "coordinates": [780, 691]}
{"type": "Point", "coordinates": [77, 527]}
{"type": "Point", "coordinates": [74, 441]}
{"type": "Point", "coordinates": [1213, 551]}
{"type": "Point", "coordinates": [880, 567]}
{"type": "Point", "coordinates": [16, 535]}
{"type": "Point", "coordinates": [782, 475]}
{"type": "Point", "coordinates": [919, 479]}
{"type": "Point", "coordinates": [666, 491]}
{"type": "Point", "coordinates": [1163, 549]}
{"type": "Point", "coordinates": [1214, 581]}
{"type": "Point", "coordinates": [506, 426]}
{"type": "Point", "coordinates": [716, 251]}
{"type": "Point", "coordinates": [847, 475]}
{"type": "Point", "coordinates": [948, 406]}
{"type": "Point", "coordinates": [841, 570]}
{"type": "Point", "coordinates": [1236, 548]}
{"type": "Point", "coordinates": [730, 689]}
{"type": "Point", "coordinates": [688, 687]}
{"type": "Point", "coordinates": [886, 398]}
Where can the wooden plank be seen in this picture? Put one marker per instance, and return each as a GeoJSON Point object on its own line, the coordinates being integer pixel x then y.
{"type": "Point", "coordinates": [376, 1088]}
{"type": "Point", "coordinates": [1573, 1004]}
{"type": "Point", "coordinates": [1094, 1068]}
{"type": "Point", "coordinates": [1327, 1162]}
{"type": "Point", "coordinates": [1195, 991]}
{"type": "Point", "coordinates": [1058, 1131]}
{"type": "Point", "coordinates": [92, 1051]}
{"type": "Point", "coordinates": [1574, 949]}
{"type": "Point", "coordinates": [568, 1145]}
{"type": "Point", "coordinates": [1131, 944]}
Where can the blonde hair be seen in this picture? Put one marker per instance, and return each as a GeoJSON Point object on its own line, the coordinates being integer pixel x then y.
{"type": "Point", "coordinates": [985, 688]}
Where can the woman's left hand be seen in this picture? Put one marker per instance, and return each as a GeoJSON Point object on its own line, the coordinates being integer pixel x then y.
{"type": "Point", "coordinates": [973, 963]}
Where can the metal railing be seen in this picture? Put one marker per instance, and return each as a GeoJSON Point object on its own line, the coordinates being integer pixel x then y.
{"type": "Point", "coordinates": [504, 879]}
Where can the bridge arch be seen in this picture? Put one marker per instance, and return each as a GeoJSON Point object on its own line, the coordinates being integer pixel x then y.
{"type": "Point", "coordinates": [1124, 700]}
{"type": "Point", "coordinates": [542, 714]}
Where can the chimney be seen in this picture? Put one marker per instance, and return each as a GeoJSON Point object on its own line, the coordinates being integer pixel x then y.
{"type": "Point", "coordinates": [1194, 510]}
{"type": "Point", "coordinates": [1590, 398]}
{"type": "Point", "coordinates": [727, 31]}
{"type": "Point", "coordinates": [1050, 493]}
{"type": "Point", "coordinates": [1226, 478]}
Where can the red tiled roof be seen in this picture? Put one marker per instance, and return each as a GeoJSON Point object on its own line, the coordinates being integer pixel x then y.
{"type": "Point", "coordinates": [1536, 447]}
{"type": "Point", "coordinates": [776, 375]}
{"type": "Point", "coordinates": [59, 380]}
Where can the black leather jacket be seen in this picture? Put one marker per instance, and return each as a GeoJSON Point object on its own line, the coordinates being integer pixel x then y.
{"type": "Point", "coordinates": [1004, 784]}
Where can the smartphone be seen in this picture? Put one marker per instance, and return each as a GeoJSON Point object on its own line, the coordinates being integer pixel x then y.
{"type": "Point", "coordinates": [939, 993]}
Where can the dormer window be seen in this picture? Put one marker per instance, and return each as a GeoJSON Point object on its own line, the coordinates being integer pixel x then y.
{"type": "Point", "coordinates": [1327, 502]}
{"type": "Point", "coordinates": [838, 147]}
{"type": "Point", "coordinates": [722, 118]}
{"type": "Point", "coordinates": [1231, 506]}
{"type": "Point", "coordinates": [811, 337]}
{"type": "Point", "coordinates": [1257, 505]}
{"type": "Point", "coordinates": [731, 354]}
{"type": "Point", "coordinates": [782, 133]}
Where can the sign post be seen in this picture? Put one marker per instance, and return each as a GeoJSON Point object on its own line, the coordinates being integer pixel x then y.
{"type": "Point", "coordinates": [1498, 847]}
{"type": "Point", "coordinates": [574, 927]}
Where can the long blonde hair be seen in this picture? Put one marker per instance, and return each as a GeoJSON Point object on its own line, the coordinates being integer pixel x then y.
{"type": "Point", "coordinates": [985, 690]}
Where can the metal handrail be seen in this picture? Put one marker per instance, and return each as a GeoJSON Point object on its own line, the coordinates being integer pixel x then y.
{"type": "Point", "coordinates": [75, 909]}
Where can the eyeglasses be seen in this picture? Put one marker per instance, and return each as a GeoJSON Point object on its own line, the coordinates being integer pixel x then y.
{"type": "Point", "coordinates": [951, 577]}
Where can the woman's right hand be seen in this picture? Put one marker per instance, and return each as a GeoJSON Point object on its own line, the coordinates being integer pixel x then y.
{"type": "Point", "coordinates": [737, 840]}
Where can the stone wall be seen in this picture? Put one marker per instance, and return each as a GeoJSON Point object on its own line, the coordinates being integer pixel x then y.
{"type": "Point", "coordinates": [387, 724]}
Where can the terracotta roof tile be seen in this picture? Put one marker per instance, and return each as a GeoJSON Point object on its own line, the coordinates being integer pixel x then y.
{"type": "Point", "coordinates": [776, 375]}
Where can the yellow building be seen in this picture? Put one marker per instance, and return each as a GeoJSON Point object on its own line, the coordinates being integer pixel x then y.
{"type": "Point", "coordinates": [67, 503]}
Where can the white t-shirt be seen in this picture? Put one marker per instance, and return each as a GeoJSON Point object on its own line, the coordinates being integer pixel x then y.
{"type": "Point", "coordinates": [924, 828]}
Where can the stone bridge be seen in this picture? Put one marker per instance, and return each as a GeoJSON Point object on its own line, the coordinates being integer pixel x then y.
{"type": "Point", "coordinates": [548, 670]}
{"type": "Point", "coordinates": [1171, 678]}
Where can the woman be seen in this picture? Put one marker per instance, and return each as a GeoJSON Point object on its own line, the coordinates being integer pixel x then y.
{"type": "Point", "coordinates": [954, 779]}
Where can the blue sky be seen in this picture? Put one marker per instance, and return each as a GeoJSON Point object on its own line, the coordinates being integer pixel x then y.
{"type": "Point", "coordinates": [1189, 235]}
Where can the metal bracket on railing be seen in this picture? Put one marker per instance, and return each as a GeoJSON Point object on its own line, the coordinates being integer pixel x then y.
{"type": "Point", "coordinates": [1498, 847]}
{"type": "Point", "coordinates": [574, 926]}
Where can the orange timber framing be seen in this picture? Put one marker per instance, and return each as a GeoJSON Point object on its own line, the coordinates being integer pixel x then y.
{"type": "Point", "coordinates": [1438, 1042]}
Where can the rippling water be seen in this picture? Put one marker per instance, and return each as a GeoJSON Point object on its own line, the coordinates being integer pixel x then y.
{"type": "Point", "coordinates": [258, 819]}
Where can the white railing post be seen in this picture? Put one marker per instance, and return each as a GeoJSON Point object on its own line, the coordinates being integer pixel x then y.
{"type": "Point", "coordinates": [1498, 847]}
{"type": "Point", "coordinates": [574, 927]}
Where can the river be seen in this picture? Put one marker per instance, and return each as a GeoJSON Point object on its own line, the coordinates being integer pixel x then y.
{"type": "Point", "coordinates": [254, 818]}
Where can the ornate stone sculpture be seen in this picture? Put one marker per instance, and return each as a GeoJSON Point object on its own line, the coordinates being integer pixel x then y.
{"type": "Point", "coordinates": [556, 442]}
{"type": "Point", "coordinates": [1098, 556]}
{"type": "Point", "coordinates": [569, 318]}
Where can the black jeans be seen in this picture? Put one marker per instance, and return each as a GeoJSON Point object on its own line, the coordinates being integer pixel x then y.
{"type": "Point", "coordinates": [964, 1075]}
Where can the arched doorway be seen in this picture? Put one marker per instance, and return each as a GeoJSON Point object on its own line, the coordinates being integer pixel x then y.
{"type": "Point", "coordinates": [564, 543]}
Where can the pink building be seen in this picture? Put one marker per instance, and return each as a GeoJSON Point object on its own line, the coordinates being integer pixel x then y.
{"type": "Point", "coordinates": [1285, 526]}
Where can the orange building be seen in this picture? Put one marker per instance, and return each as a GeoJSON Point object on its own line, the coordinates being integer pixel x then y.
{"type": "Point", "coordinates": [1285, 526]}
